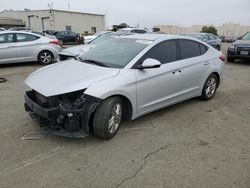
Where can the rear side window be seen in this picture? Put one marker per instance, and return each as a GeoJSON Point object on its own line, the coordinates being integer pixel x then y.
{"type": "Point", "coordinates": [140, 31]}
{"type": "Point", "coordinates": [6, 38]}
{"type": "Point", "coordinates": [189, 49]}
{"type": "Point", "coordinates": [212, 37]}
{"type": "Point", "coordinates": [203, 49]}
{"type": "Point", "coordinates": [164, 52]}
{"type": "Point", "coordinates": [20, 37]}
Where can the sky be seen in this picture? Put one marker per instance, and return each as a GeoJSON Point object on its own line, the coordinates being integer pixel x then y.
{"type": "Point", "coordinates": [148, 13]}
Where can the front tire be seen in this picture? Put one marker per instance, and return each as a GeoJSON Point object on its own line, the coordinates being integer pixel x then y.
{"type": "Point", "coordinates": [45, 57]}
{"type": "Point", "coordinates": [107, 118]}
{"type": "Point", "coordinates": [210, 87]}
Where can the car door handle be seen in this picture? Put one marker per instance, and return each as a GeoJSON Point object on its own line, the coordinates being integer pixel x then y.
{"type": "Point", "coordinates": [176, 71]}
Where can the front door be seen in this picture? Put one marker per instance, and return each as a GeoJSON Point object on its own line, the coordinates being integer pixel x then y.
{"type": "Point", "coordinates": [158, 87]}
{"type": "Point", "coordinates": [7, 51]}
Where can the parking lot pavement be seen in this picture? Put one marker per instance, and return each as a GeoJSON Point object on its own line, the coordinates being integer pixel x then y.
{"type": "Point", "coordinates": [192, 144]}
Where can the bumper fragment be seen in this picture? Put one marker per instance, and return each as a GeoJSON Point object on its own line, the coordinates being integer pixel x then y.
{"type": "Point", "coordinates": [61, 119]}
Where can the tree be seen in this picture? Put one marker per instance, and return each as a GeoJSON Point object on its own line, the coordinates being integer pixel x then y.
{"type": "Point", "coordinates": [209, 29]}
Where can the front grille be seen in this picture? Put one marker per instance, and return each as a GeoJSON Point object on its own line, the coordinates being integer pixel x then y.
{"type": "Point", "coordinates": [242, 48]}
{"type": "Point", "coordinates": [46, 102]}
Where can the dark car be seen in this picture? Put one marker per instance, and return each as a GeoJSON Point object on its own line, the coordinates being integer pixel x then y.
{"type": "Point", "coordinates": [49, 32]}
{"type": "Point", "coordinates": [208, 38]}
{"type": "Point", "coordinates": [68, 37]}
{"type": "Point", "coordinates": [239, 49]}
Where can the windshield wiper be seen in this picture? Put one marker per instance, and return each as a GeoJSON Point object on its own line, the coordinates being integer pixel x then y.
{"type": "Point", "coordinates": [94, 62]}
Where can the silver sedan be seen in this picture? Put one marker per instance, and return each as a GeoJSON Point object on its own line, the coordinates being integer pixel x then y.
{"type": "Point", "coordinates": [17, 46]}
{"type": "Point", "coordinates": [124, 77]}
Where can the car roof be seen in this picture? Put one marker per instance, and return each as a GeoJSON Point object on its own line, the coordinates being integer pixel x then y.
{"type": "Point", "coordinates": [153, 37]}
{"type": "Point", "coordinates": [129, 29]}
{"type": "Point", "coordinates": [21, 32]}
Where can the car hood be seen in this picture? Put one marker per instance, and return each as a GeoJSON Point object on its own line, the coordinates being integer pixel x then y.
{"type": "Point", "coordinates": [242, 42]}
{"type": "Point", "coordinates": [68, 76]}
{"type": "Point", "coordinates": [76, 50]}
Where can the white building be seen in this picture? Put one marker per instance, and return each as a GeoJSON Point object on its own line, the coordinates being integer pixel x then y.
{"type": "Point", "coordinates": [52, 19]}
{"type": "Point", "coordinates": [228, 29]}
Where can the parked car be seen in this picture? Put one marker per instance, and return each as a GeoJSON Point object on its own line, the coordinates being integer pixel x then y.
{"type": "Point", "coordinates": [49, 32]}
{"type": "Point", "coordinates": [68, 37]}
{"type": "Point", "coordinates": [42, 34]}
{"type": "Point", "coordinates": [209, 38]}
{"type": "Point", "coordinates": [75, 51]}
{"type": "Point", "coordinates": [122, 78]}
{"type": "Point", "coordinates": [129, 31]}
{"type": "Point", "coordinates": [239, 49]}
{"type": "Point", "coordinates": [88, 39]}
{"type": "Point", "coordinates": [19, 46]}
{"type": "Point", "coordinates": [2, 29]}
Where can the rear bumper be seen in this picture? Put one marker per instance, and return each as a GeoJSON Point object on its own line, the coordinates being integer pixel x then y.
{"type": "Point", "coordinates": [70, 122]}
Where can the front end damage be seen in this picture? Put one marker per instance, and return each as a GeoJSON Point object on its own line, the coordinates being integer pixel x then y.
{"type": "Point", "coordinates": [65, 115]}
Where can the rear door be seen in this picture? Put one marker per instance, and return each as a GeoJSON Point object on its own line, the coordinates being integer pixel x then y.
{"type": "Point", "coordinates": [7, 50]}
{"type": "Point", "coordinates": [25, 46]}
{"type": "Point", "coordinates": [72, 36]}
{"type": "Point", "coordinates": [158, 87]}
{"type": "Point", "coordinates": [194, 66]}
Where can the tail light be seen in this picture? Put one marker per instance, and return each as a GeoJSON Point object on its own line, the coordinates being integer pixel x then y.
{"type": "Point", "coordinates": [55, 42]}
{"type": "Point", "coordinates": [222, 58]}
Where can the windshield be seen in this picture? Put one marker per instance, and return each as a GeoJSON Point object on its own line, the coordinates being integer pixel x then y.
{"type": "Point", "coordinates": [102, 38]}
{"type": "Point", "coordinates": [116, 52]}
{"type": "Point", "coordinates": [197, 36]}
{"type": "Point", "coordinates": [246, 37]}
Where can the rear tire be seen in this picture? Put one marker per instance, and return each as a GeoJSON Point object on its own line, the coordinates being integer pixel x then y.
{"type": "Point", "coordinates": [45, 57]}
{"type": "Point", "coordinates": [107, 118]}
{"type": "Point", "coordinates": [210, 87]}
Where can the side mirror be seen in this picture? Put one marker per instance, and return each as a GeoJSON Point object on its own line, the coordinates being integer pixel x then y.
{"type": "Point", "coordinates": [150, 64]}
{"type": "Point", "coordinates": [239, 38]}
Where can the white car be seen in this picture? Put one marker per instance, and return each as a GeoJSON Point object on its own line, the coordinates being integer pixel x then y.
{"type": "Point", "coordinates": [2, 29]}
{"type": "Point", "coordinates": [88, 39]}
{"type": "Point", "coordinates": [132, 31]}
{"type": "Point", "coordinates": [19, 46]}
{"type": "Point", "coordinates": [123, 78]}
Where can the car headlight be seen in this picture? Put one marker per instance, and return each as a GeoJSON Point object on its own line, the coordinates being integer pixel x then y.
{"type": "Point", "coordinates": [232, 46]}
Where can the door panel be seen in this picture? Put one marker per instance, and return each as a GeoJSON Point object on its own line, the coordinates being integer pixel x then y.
{"type": "Point", "coordinates": [8, 53]}
{"type": "Point", "coordinates": [158, 87]}
{"type": "Point", "coordinates": [194, 71]}
{"type": "Point", "coordinates": [25, 46]}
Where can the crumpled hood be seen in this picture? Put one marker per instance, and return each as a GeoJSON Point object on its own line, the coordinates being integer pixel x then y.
{"type": "Point", "coordinates": [242, 42]}
{"type": "Point", "coordinates": [66, 77]}
{"type": "Point", "coordinates": [77, 50]}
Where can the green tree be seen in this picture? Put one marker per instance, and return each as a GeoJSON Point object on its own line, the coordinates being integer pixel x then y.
{"type": "Point", "coordinates": [209, 29]}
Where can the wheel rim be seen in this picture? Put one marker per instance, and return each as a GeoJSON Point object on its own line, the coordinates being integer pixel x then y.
{"type": "Point", "coordinates": [115, 118]}
{"type": "Point", "coordinates": [46, 58]}
{"type": "Point", "coordinates": [211, 87]}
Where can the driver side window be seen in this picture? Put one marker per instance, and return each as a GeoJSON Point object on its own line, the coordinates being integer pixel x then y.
{"type": "Point", "coordinates": [165, 52]}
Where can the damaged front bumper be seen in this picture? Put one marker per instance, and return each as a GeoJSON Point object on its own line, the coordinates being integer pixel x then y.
{"type": "Point", "coordinates": [65, 115]}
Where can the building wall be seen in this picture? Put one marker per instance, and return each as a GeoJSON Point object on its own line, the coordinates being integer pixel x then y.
{"type": "Point", "coordinates": [79, 23]}
{"type": "Point", "coordinates": [58, 20]}
{"type": "Point", "coordinates": [228, 29]}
